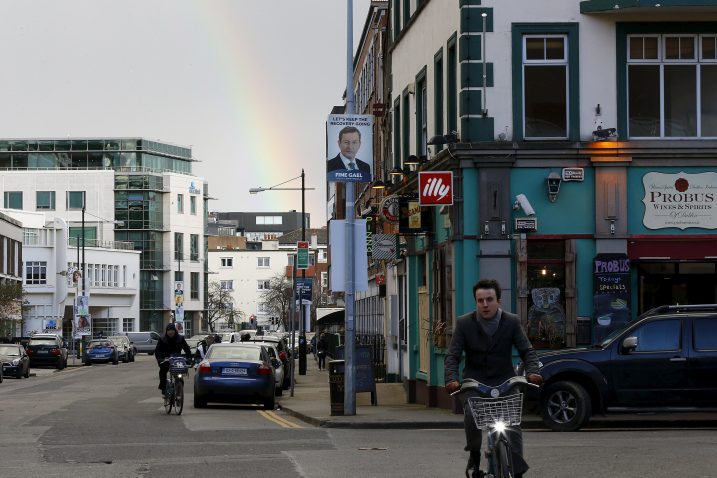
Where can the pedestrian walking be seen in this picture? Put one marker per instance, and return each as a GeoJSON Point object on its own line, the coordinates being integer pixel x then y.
{"type": "Point", "coordinates": [321, 348]}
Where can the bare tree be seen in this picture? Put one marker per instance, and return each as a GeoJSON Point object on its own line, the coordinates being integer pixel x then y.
{"type": "Point", "coordinates": [278, 298]}
{"type": "Point", "coordinates": [11, 305]}
{"type": "Point", "coordinates": [220, 305]}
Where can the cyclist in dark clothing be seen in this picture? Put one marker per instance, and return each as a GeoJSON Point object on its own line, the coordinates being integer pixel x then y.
{"type": "Point", "coordinates": [487, 336]}
{"type": "Point", "coordinates": [170, 344]}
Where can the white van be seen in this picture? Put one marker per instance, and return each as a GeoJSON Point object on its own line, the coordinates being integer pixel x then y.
{"type": "Point", "coordinates": [143, 342]}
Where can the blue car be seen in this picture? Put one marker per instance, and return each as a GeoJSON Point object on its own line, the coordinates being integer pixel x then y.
{"type": "Point", "coordinates": [235, 373]}
{"type": "Point", "coordinates": [101, 351]}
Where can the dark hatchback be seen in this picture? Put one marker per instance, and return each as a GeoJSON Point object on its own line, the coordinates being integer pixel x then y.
{"type": "Point", "coordinates": [15, 362]}
{"type": "Point", "coordinates": [666, 361]}
{"type": "Point", "coordinates": [47, 349]}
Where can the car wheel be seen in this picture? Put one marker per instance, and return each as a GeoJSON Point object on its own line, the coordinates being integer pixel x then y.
{"type": "Point", "coordinates": [150, 353]}
{"type": "Point", "coordinates": [18, 374]}
{"type": "Point", "coordinates": [565, 406]}
{"type": "Point", "coordinates": [269, 404]}
{"type": "Point", "coordinates": [88, 363]}
{"type": "Point", "coordinates": [131, 357]}
{"type": "Point", "coordinates": [279, 391]}
{"type": "Point", "coordinates": [59, 365]}
{"type": "Point", "coordinates": [199, 402]}
{"type": "Point", "coordinates": [27, 372]}
{"type": "Point", "coordinates": [115, 361]}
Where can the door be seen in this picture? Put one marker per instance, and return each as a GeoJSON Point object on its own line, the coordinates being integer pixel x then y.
{"type": "Point", "coordinates": [655, 373]}
{"type": "Point", "coordinates": [702, 363]}
{"type": "Point", "coordinates": [424, 319]}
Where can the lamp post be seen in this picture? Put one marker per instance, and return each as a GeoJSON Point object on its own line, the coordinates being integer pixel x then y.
{"type": "Point", "coordinates": [302, 332]}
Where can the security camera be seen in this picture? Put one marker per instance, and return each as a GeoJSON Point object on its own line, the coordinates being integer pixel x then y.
{"type": "Point", "coordinates": [521, 201]}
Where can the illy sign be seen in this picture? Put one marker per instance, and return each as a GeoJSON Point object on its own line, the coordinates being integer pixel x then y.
{"type": "Point", "coordinates": [435, 188]}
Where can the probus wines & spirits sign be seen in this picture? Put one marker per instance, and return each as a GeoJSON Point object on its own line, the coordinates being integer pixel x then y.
{"type": "Point", "coordinates": [680, 200]}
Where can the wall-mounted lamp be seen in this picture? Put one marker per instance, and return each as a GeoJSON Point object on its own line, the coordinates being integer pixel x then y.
{"type": "Point", "coordinates": [605, 134]}
{"type": "Point", "coordinates": [486, 228]}
{"type": "Point", "coordinates": [396, 172]}
{"type": "Point", "coordinates": [502, 228]}
{"type": "Point", "coordinates": [412, 160]}
{"type": "Point", "coordinates": [411, 87]}
{"type": "Point", "coordinates": [378, 184]}
{"type": "Point", "coordinates": [612, 227]}
{"type": "Point", "coordinates": [553, 181]}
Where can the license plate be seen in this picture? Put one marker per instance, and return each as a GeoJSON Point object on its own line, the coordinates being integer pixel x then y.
{"type": "Point", "coordinates": [234, 371]}
{"type": "Point", "coordinates": [42, 351]}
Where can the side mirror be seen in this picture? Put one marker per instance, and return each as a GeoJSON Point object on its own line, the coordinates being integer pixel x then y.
{"type": "Point", "coordinates": [629, 344]}
{"type": "Point", "coordinates": [276, 363]}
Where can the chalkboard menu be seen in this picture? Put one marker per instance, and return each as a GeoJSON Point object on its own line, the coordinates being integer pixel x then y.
{"type": "Point", "coordinates": [363, 359]}
{"type": "Point", "coordinates": [611, 294]}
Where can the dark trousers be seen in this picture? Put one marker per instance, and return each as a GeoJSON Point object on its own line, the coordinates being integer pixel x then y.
{"type": "Point", "coordinates": [474, 438]}
{"type": "Point", "coordinates": [163, 369]}
{"type": "Point", "coordinates": [322, 360]}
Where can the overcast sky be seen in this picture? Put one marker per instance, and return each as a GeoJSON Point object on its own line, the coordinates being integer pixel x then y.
{"type": "Point", "coordinates": [247, 84]}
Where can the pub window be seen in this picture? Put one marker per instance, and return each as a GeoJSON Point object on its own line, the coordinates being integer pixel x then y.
{"type": "Point", "coordinates": [546, 286]}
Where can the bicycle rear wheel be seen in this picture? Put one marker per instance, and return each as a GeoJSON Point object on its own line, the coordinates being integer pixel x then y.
{"type": "Point", "coordinates": [503, 461]}
{"type": "Point", "coordinates": [178, 397]}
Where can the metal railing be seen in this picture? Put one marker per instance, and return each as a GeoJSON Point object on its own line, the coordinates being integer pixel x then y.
{"type": "Point", "coordinates": [120, 245]}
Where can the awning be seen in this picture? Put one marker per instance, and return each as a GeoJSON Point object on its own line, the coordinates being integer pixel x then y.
{"type": "Point", "coordinates": [334, 318]}
{"type": "Point", "coordinates": [616, 6]}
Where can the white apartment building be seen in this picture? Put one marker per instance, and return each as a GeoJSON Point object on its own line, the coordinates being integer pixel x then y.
{"type": "Point", "coordinates": [49, 258]}
{"type": "Point", "coordinates": [247, 273]}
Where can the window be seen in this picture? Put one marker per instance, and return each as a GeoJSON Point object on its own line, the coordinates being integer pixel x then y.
{"type": "Point", "coordinates": [323, 257]}
{"type": "Point", "coordinates": [421, 114]}
{"type": "Point", "coordinates": [269, 220]}
{"type": "Point", "coordinates": [128, 324]}
{"type": "Point", "coordinates": [13, 199]}
{"type": "Point", "coordinates": [262, 308]}
{"type": "Point", "coordinates": [178, 246]}
{"type": "Point", "coordinates": [193, 205]}
{"type": "Point", "coordinates": [124, 276]}
{"type": "Point", "coordinates": [659, 336]}
{"type": "Point", "coordinates": [406, 12]}
{"type": "Point", "coordinates": [178, 276]}
{"type": "Point", "coordinates": [396, 18]}
{"type": "Point", "coordinates": [545, 110]}
{"type": "Point", "coordinates": [180, 203]}
{"type": "Point", "coordinates": [226, 284]}
{"type": "Point", "coordinates": [671, 86]}
{"type": "Point", "coordinates": [45, 200]}
{"type": "Point", "coordinates": [263, 284]}
{"type": "Point", "coordinates": [36, 273]}
{"type": "Point", "coordinates": [397, 133]}
{"type": "Point", "coordinates": [263, 262]}
{"type": "Point", "coordinates": [705, 334]}
{"type": "Point", "coordinates": [405, 127]}
{"type": "Point", "coordinates": [324, 280]}
{"type": "Point", "coordinates": [194, 247]}
{"type": "Point", "coordinates": [438, 94]}
{"type": "Point", "coordinates": [227, 261]}
{"type": "Point", "coordinates": [194, 277]}
{"type": "Point", "coordinates": [451, 87]}
{"type": "Point", "coordinates": [76, 232]}
{"type": "Point", "coordinates": [75, 199]}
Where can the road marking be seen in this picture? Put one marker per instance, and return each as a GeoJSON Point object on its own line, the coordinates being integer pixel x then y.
{"type": "Point", "coordinates": [273, 417]}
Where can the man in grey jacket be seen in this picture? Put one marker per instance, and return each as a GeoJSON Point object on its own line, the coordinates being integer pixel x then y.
{"type": "Point", "coordinates": [487, 336]}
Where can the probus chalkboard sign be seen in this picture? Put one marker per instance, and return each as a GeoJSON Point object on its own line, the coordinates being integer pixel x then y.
{"type": "Point", "coordinates": [611, 293]}
{"type": "Point", "coordinates": [363, 359]}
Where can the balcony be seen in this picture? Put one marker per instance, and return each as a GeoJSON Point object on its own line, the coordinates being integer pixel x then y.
{"type": "Point", "coordinates": [653, 6]}
{"type": "Point", "coordinates": [118, 245]}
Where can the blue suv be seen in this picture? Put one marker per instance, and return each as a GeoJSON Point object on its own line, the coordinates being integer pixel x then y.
{"type": "Point", "coordinates": [665, 361]}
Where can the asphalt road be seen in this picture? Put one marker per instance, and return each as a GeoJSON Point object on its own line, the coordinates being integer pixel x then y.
{"type": "Point", "coordinates": [108, 421]}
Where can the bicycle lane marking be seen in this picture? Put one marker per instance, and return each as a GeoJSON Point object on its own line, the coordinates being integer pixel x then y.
{"type": "Point", "coordinates": [274, 418]}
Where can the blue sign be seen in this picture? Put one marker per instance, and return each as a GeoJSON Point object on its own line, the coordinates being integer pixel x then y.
{"type": "Point", "coordinates": [303, 290]}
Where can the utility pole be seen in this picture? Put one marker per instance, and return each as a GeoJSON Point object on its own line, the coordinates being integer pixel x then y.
{"type": "Point", "coordinates": [350, 347]}
{"type": "Point", "coordinates": [302, 331]}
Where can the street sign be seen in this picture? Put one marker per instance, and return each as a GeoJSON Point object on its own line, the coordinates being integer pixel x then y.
{"type": "Point", "coordinates": [435, 188]}
{"type": "Point", "coordinates": [573, 174]}
{"type": "Point", "coordinates": [303, 290]}
{"type": "Point", "coordinates": [302, 255]}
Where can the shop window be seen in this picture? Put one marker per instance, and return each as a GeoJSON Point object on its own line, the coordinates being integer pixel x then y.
{"type": "Point", "coordinates": [546, 299]}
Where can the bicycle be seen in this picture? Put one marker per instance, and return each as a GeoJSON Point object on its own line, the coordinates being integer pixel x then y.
{"type": "Point", "coordinates": [495, 410]}
{"type": "Point", "coordinates": [174, 393]}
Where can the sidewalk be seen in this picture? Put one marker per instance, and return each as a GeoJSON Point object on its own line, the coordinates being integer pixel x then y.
{"type": "Point", "coordinates": [311, 403]}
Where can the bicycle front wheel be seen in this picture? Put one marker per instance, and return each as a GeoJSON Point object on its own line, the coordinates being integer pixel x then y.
{"type": "Point", "coordinates": [169, 399]}
{"type": "Point", "coordinates": [178, 397]}
{"type": "Point", "coordinates": [503, 460]}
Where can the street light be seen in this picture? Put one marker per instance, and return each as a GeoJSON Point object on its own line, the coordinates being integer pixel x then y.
{"type": "Point", "coordinates": [302, 332]}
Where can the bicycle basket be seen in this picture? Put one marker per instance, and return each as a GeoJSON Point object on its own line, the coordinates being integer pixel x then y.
{"type": "Point", "coordinates": [177, 366]}
{"type": "Point", "coordinates": [488, 411]}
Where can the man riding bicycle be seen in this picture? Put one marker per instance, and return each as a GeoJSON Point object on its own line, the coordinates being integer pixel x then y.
{"type": "Point", "coordinates": [487, 336]}
{"type": "Point", "coordinates": [170, 344]}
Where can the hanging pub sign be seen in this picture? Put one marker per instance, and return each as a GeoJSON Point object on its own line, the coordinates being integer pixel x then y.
{"type": "Point", "coordinates": [680, 200]}
{"type": "Point", "coordinates": [413, 218]}
{"type": "Point", "coordinates": [390, 209]}
{"type": "Point", "coordinates": [611, 293]}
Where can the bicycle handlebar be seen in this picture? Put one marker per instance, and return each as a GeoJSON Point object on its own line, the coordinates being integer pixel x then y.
{"type": "Point", "coordinates": [502, 389]}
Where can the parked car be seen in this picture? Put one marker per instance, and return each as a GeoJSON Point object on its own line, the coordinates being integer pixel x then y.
{"type": "Point", "coordinates": [47, 349]}
{"type": "Point", "coordinates": [101, 351]}
{"type": "Point", "coordinates": [284, 356]}
{"type": "Point", "coordinates": [280, 371]}
{"type": "Point", "coordinates": [665, 361]}
{"type": "Point", "coordinates": [236, 373]}
{"type": "Point", "coordinates": [124, 347]}
{"type": "Point", "coordinates": [143, 342]}
{"type": "Point", "coordinates": [15, 361]}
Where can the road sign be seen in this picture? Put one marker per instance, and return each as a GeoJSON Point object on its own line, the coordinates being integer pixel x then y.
{"type": "Point", "coordinates": [303, 290]}
{"type": "Point", "coordinates": [302, 255]}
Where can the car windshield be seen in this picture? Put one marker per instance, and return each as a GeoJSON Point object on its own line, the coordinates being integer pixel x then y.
{"type": "Point", "coordinates": [43, 342]}
{"type": "Point", "coordinates": [100, 344]}
{"type": "Point", "coordinates": [606, 341]}
{"type": "Point", "coordinates": [234, 353]}
{"type": "Point", "coordinates": [13, 350]}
